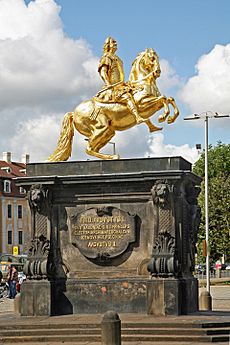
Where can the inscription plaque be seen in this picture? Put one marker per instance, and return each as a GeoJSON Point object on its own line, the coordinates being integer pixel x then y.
{"type": "Point", "coordinates": [102, 233]}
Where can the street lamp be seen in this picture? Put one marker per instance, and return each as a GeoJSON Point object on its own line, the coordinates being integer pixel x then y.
{"type": "Point", "coordinates": [198, 148]}
{"type": "Point", "coordinates": [206, 299]}
{"type": "Point", "coordinates": [114, 147]}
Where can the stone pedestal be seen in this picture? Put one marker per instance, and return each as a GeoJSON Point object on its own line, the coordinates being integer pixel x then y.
{"type": "Point", "coordinates": [173, 296]}
{"type": "Point", "coordinates": [111, 235]}
{"type": "Point", "coordinates": [36, 298]}
{"type": "Point", "coordinates": [96, 296]}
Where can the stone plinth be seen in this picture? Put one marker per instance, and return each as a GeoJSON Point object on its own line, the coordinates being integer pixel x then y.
{"type": "Point", "coordinates": [108, 234]}
{"type": "Point", "coordinates": [36, 298]}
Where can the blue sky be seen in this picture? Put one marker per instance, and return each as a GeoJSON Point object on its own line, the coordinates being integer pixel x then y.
{"type": "Point", "coordinates": [181, 31]}
{"type": "Point", "coordinates": [55, 50]}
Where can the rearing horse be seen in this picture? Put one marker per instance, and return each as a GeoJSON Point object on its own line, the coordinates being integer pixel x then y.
{"type": "Point", "coordinates": [99, 121]}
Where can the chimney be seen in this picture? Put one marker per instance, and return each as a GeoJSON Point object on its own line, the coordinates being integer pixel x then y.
{"type": "Point", "coordinates": [6, 156]}
{"type": "Point", "coordinates": [25, 158]}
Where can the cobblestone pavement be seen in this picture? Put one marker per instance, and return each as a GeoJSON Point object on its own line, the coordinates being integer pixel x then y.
{"type": "Point", "coordinates": [220, 297]}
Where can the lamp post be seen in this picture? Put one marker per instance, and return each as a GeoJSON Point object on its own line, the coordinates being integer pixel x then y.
{"type": "Point", "coordinates": [206, 299]}
{"type": "Point", "coordinates": [114, 147]}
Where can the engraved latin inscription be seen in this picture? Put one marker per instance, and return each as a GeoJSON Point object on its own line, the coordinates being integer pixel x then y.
{"type": "Point", "coordinates": [97, 231]}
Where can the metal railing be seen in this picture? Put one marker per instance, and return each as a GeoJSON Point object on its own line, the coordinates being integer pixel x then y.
{"type": "Point", "coordinates": [214, 274]}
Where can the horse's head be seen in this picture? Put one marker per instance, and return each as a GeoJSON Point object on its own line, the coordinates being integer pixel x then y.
{"type": "Point", "coordinates": [145, 63]}
{"type": "Point", "coordinates": [151, 61]}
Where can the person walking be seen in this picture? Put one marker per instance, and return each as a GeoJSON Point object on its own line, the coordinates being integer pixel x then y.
{"type": "Point", "coordinates": [12, 279]}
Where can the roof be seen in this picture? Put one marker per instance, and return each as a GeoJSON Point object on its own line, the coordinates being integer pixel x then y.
{"type": "Point", "coordinates": [15, 169]}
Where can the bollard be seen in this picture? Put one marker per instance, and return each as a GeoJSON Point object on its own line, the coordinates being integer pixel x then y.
{"type": "Point", "coordinates": [111, 329]}
{"type": "Point", "coordinates": [205, 301]}
{"type": "Point", "coordinates": [218, 273]}
{"type": "Point", "coordinates": [17, 304]}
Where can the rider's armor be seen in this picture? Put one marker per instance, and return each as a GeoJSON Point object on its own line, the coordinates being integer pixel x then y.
{"type": "Point", "coordinates": [115, 75]}
{"type": "Point", "coordinates": [116, 71]}
{"type": "Point", "coordinates": [117, 90]}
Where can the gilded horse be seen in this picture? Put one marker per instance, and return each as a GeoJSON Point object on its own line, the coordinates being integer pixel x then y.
{"type": "Point", "coordinates": [99, 121]}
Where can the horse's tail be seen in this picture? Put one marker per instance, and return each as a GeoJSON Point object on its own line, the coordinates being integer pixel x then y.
{"type": "Point", "coordinates": [64, 145]}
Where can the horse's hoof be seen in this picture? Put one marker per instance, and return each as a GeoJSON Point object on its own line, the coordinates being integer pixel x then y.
{"type": "Point", "coordinates": [170, 120]}
{"type": "Point", "coordinates": [115, 157]}
{"type": "Point", "coordinates": [154, 128]}
{"type": "Point", "coordinates": [161, 119]}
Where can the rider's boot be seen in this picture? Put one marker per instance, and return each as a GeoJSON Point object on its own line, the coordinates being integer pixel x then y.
{"type": "Point", "coordinates": [133, 109]}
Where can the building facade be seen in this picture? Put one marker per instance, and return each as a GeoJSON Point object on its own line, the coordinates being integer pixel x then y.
{"type": "Point", "coordinates": [14, 211]}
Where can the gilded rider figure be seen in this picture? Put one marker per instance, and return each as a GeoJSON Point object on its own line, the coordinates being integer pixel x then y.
{"type": "Point", "coordinates": [112, 73]}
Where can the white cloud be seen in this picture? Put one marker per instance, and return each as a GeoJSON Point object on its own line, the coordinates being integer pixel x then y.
{"type": "Point", "coordinates": [40, 65]}
{"type": "Point", "coordinates": [169, 78]}
{"type": "Point", "coordinates": [43, 138]}
{"type": "Point", "coordinates": [209, 89]}
{"type": "Point", "coordinates": [157, 148]}
{"type": "Point", "coordinates": [43, 74]}
{"type": "Point", "coordinates": [42, 133]}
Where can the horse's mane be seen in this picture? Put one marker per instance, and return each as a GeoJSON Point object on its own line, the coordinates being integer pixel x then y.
{"type": "Point", "coordinates": [142, 54]}
{"type": "Point", "coordinates": [138, 57]}
{"type": "Point", "coordinates": [136, 64]}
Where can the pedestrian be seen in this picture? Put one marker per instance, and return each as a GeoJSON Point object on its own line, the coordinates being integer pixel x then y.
{"type": "Point", "coordinates": [12, 279]}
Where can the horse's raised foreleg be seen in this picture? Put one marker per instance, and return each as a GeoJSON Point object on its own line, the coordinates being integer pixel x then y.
{"type": "Point", "coordinates": [100, 137]}
{"type": "Point", "coordinates": [164, 116]}
{"type": "Point", "coordinates": [171, 119]}
{"type": "Point", "coordinates": [152, 103]}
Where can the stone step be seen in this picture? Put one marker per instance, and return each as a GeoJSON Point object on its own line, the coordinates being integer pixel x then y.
{"type": "Point", "coordinates": [128, 338]}
{"type": "Point", "coordinates": [125, 331]}
{"type": "Point", "coordinates": [176, 339]}
{"type": "Point", "coordinates": [50, 332]}
{"type": "Point", "coordinates": [178, 325]}
{"type": "Point", "coordinates": [49, 338]}
{"type": "Point", "coordinates": [175, 331]}
{"type": "Point", "coordinates": [218, 331]}
{"type": "Point", "coordinates": [75, 329]}
{"type": "Point", "coordinates": [125, 325]}
{"type": "Point", "coordinates": [133, 332]}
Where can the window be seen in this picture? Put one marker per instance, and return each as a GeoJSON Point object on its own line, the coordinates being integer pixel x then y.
{"type": "Point", "coordinates": [22, 190]}
{"type": "Point", "coordinates": [7, 186]}
{"type": "Point", "coordinates": [20, 211]}
{"type": "Point", "coordinates": [9, 211]}
{"type": "Point", "coordinates": [9, 237]}
{"type": "Point", "coordinates": [20, 237]}
{"type": "Point", "coordinates": [7, 169]}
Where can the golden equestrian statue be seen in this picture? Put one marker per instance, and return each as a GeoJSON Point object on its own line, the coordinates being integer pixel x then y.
{"type": "Point", "coordinates": [118, 106]}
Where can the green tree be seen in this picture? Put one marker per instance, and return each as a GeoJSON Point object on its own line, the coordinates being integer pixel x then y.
{"type": "Point", "coordinates": [219, 201]}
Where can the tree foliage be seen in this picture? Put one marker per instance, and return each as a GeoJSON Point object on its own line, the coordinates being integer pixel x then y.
{"type": "Point", "coordinates": [219, 201]}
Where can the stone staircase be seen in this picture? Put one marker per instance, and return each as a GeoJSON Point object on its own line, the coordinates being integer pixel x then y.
{"type": "Point", "coordinates": [175, 332]}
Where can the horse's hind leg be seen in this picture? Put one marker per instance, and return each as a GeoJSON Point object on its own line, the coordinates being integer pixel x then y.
{"type": "Point", "coordinates": [171, 119]}
{"type": "Point", "coordinates": [104, 140]}
{"type": "Point", "coordinates": [100, 137]}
